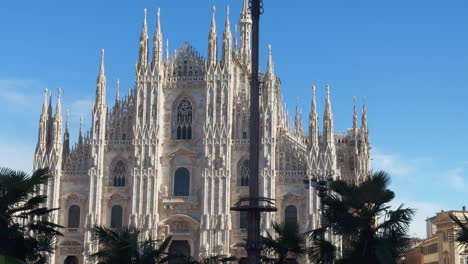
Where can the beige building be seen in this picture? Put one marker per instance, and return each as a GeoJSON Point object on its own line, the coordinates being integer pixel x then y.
{"type": "Point", "coordinates": [440, 247]}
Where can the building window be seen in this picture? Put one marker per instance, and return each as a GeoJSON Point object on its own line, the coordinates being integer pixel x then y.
{"type": "Point", "coordinates": [116, 216]}
{"type": "Point", "coordinates": [74, 216]}
{"type": "Point", "coordinates": [290, 214]}
{"type": "Point", "coordinates": [184, 120]}
{"type": "Point", "coordinates": [244, 173]}
{"type": "Point", "coordinates": [182, 182]}
{"type": "Point", "coordinates": [118, 174]}
{"type": "Point", "coordinates": [243, 219]}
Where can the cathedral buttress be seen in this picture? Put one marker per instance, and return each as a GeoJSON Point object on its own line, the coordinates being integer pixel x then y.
{"type": "Point", "coordinates": [216, 216]}
{"type": "Point", "coordinates": [96, 171]}
{"type": "Point", "coordinates": [268, 140]}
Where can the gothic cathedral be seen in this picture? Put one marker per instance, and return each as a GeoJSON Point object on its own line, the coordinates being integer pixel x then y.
{"type": "Point", "coordinates": [172, 156]}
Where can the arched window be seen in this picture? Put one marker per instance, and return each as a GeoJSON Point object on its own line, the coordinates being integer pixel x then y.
{"type": "Point", "coordinates": [290, 214]}
{"type": "Point", "coordinates": [243, 172]}
{"type": "Point", "coordinates": [182, 182]}
{"type": "Point", "coordinates": [118, 174]}
{"type": "Point", "coordinates": [74, 216]}
{"type": "Point", "coordinates": [116, 216]}
{"type": "Point", "coordinates": [184, 120]}
{"type": "Point", "coordinates": [243, 219]}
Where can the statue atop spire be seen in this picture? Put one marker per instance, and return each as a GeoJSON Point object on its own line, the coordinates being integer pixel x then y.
{"type": "Point", "coordinates": [101, 84]}
{"type": "Point", "coordinates": [227, 40]}
{"type": "Point", "coordinates": [328, 120]}
{"type": "Point", "coordinates": [355, 118]}
{"type": "Point", "coordinates": [58, 108]}
{"type": "Point", "coordinates": [117, 91]}
{"type": "Point", "coordinates": [298, 119]}
{"type": "Point", "coordinates": [270, 65]}
{"type": "Point", "coordinates": [44, 106]}
{"type": "Point", "coordinates": [157, 42]}
{"type": "Point", "coordinates": [212, 40]}
{"type": "Point", "coordinates": [143, 51]}
{"type": "Point", "coordinates": [80, 132]}
{"type": "Point", "coordinates": [313, 123]}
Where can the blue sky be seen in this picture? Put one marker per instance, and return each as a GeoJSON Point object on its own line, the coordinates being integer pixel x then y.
{"type": "Point", "coordinates": [409, 58]}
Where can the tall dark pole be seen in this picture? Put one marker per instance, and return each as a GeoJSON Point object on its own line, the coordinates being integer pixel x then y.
{"type": "Point", "coordinates": [253, 226]}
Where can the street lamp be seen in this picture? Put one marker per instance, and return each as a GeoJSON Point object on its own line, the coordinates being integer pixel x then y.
{"type": "Point", "coordinates": [320, 181]}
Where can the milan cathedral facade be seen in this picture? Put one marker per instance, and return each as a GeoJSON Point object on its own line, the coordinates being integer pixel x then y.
{"type": "Point", "coordinates": [172, 156]}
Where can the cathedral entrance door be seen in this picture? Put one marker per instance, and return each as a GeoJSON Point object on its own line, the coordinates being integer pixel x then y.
{"type": "Point", "coordinates": [71, 260]}
{"type": "Point", "coordinates": [179, 247]}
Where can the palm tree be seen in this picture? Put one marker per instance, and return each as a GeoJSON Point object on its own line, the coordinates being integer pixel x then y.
{"type": "Point", "coordinates": [462, 234]}
{"type": "Point", "coordinates": [218, 259]}
{"type": "Point", "coordinates": [25, 232]}
{"type": "Point", "coordinates": [125, 247]}
{"type": "Point", "coordinates": [371, 232]}
{"type": "Point", "coordinates": [286, 241]}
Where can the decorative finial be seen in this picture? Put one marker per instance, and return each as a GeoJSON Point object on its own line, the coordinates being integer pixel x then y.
{"type": "Point", "coordinates": [59, 93]}
{"type": "Point", "coordinates": [144, 11]}
{"type": "Point", "coordinates": [313, 90]}
{"type": "Point", "coordinates": [117, 91]}
{"type": "Point", "coordinates": [101, 70]}
{"type": "Point", "coordinates": [67, 123]}
{"type": "Point", "coordinates": [213, 19]}
{"type": "Point", "coordinates": [167, 49]}
{"type": "Point", "coordinates": [227, 11]}
{"type": "Point", "coordinates": [159, 13]}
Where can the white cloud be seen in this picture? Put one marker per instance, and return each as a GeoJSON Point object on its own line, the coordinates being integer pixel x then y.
{"type": "Point", "coordinates": [391, 163]}
{"type": "Point", "coordinates": [456, 178]}
{"type": "Point", "coordinates": [80, 107]}
{"type": "Point", "coordinates": [17, 156]}
{"type": "Point", "coordinates": [15, 91]}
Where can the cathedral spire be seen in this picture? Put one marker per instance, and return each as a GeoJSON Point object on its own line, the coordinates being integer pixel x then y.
{"type": "Point", "coordinates": [355, 128]}
{"type": "Point", "coordinates": [235, 39]}
{"type": "Point", "coordinates": [355, 118]}
{"type": "Point", "coordinates": [117, 91]}
{"type": "Point", "coordinates": [49, 109]}
{"type": "Point", "coordinates": [298, 121]}
{"type": "Point", "coordinates": [101, 84]}
{"type": "Point", "coordinates": [328, 120]}
{"type": "Point", "coordinates": [313, 122]}
{"type": "Point", "coordinates": [157, 42]}
{"type": "Point", "coordinates": [227, 40]}
{"type": "Point", "coordinates": [364, 115]}
{"type": "Point", "coordinates": [58, 107]}
{"type": "Point", "coordinates": [66, 136]}
{"type": "Point", "coordinates": [212, 40]}
{"type": "Point", "coordinates": [44, 106]}
{"type": "Point", "coordinates": [80, 132]}
{"type": "Point", "coordinates": [143, 52]}
{"type": "Point", "coordinates": [167, 49]}
{"type": "Point", "coordinates": [270, 65]}
{"type": "Point", "coordinates": [246, 28]}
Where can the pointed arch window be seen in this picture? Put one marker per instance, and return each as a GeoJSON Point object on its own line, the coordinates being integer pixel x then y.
{"type": "Point", "coordinates": [118, 174]}
{"type": "Point", "coordinates": [243, 172]}
{"type": "Point", "coordinates": [184, 120]}
{"type": "Point", "coordinates": [74, 216]}
{"type": "Point", "coordinates": [116, 216]}
{"type": "Point", "coordinates": [290, 214]}
{"type": "Point", "coordinates": [182, 182]}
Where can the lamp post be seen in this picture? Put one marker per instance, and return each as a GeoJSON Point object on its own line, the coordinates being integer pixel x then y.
{"type": "Point", "coordinates": [255, 204]}
{"type": "Point", "coordinates": [320, 181]}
